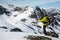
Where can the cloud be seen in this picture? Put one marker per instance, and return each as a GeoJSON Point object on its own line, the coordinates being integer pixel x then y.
{"type": "Point", "coordinates": [28, 2]}
{"type": "Point", "coordinates": [34, 1]}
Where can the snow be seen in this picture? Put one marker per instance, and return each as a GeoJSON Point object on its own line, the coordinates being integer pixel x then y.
{"type": "Point", "coordinates": [12, 22]}
{"type": "Point", "coordinates": [19, 36]}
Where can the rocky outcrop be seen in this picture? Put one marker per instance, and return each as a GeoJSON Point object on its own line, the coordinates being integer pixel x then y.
{"type": "Point", "coordinates": [4, 11]}
{"type": "Point", "coordinates": [16, 30]}
{"type": "Point", "coordinates": [38, 38]}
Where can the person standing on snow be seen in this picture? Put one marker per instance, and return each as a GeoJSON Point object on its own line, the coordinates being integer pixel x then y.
{"type": "Point", "coordinates": [42, 17]}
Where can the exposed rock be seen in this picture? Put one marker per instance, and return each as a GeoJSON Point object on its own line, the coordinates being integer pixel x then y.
{"type": "Point", "coordinates": [16, 30]}
{"type": "Point", "coordinates": [38, 38]}
{"type": "Point", "coordinates": [53, 34]}
{"type": "Point", "coordinates": [4, 27]}
{"type": "Point", "coordinates": [17, 9]}
{"type": "Point", "coordinates": [39, 13]}
{"type": "Point", "coordinates": [23, 20]}
{"type": "Point", "coordinates": [4, 11]}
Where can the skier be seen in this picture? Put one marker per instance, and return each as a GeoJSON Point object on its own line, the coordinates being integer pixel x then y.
{"type": "Point", "coordinates": [42, 17]}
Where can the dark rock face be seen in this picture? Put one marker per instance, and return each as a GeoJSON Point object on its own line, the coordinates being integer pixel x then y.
{"type": "Point", "coordinates": [38, 38]}
{"type": "Point", "coordinates": [33, 16]}
{"type": "Point", "coordinates": [23, 20]}
{"type": "Point", "coordinates": [4, 27]}
{"type": "Point", "coordinates": [17, 9]}
{"type": "Point", "coordinates": [38, 12]}
{"type": "Point", "coordinates": [15, 15]}
{"type": "Point", "coordinates": [1, 10]}
{"type": "Point", "coordinates": [16, 30]}
{"type": "Point", "coordinates": [52, 34]}
{"type": "Point", "coordinates": [4, 11]}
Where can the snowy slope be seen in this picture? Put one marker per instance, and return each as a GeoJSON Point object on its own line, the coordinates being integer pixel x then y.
{"type": "Point", "coordinates": [19, 36]}
{"type": "Point", "coordinates": [16, 21]}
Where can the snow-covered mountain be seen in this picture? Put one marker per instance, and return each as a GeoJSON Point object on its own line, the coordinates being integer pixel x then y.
{"type": "Point", "coordinates": [20, 19]}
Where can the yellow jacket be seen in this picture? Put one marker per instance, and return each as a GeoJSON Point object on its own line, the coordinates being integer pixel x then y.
{"type": "Point", "coordinates": [44, 20]}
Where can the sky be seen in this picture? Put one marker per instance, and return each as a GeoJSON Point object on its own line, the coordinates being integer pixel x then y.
{"type": "Point", "coordinates": [33, 3]}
